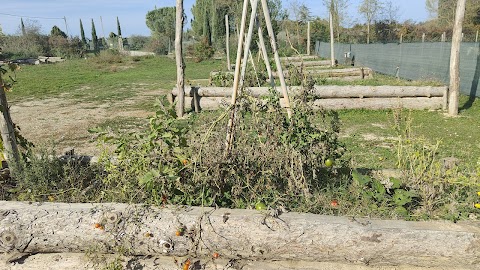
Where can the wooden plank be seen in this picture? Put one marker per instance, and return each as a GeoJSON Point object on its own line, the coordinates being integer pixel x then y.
{"type": "Point", "coordinates": [235, 234]}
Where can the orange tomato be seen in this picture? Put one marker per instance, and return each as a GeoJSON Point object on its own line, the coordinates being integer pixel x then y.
{"type": "Point", "coordinates": [186, 264]}
{"type": "Point", "coordinates": [334, 203]}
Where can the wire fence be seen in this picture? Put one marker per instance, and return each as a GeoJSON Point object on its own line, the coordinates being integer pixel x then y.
{"type": "Point", "coordinates": [413, 61]}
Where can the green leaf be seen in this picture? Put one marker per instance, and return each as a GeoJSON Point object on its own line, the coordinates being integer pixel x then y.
{"type": "Point", "coordinates": [402, 197]}
{"type": "Point", "coordinates": [148, 177]}
{"type": "Point", "coordinates": [401, 211]}
{"type": "Point", "coordinates": [396, 183]}
{"type": "Point", "coordinates": [360, 179]}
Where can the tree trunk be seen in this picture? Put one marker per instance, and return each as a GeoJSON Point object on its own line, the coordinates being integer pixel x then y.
{"type": "Point", "coordinates": [7, 129]}
{"type": "Point", "coordinates": [234, 234]}
{"type": "Point", "coordinates": [179, 58]}
{"type": "Point", "coordinates": [455, 59]}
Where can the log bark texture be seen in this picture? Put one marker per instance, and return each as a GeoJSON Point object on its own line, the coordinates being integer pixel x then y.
{"type": "Point", "coordinates": [344, 72]}
{"type": "Point", "coordinates": [415, 103]}
{"type": "Point", "coordinates": [323, 63]}
{"type": "Point", "coordinates": [455, 59]}
{"type": "Point", "coordinates": [328, 91]}
{"type": "Point", "coordinates": [235, 234]}
{"type": "Point", "coordinates": [298, 58]}
{"type": "Point", "coordinates": [179, 56]}
{"type": "Point", "coordinates": [80, 261]}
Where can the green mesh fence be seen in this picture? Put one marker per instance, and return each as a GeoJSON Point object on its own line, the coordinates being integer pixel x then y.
{"type": "Point", "coordinates": [413, 61]}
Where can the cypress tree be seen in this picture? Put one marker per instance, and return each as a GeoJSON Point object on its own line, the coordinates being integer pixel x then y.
{"type": "Point", "coordinates": [94, 38]}
{"type": "Point", "coordinates": [24, 32]}
{"type": "Point", "coordinates": [82, 34]}
{"type": "Point", "coordinates": [119, 30]}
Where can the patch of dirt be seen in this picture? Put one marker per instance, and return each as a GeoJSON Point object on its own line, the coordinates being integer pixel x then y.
{"type": "Point", "coordinates": [63, 123]}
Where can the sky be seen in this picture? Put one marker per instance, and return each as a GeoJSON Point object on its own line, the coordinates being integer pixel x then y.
{"type": "Point", "coordinates": [131, 14]}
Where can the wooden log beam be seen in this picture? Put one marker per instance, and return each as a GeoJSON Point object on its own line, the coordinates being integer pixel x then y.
{"type": "Point", "coordinates": [299, 58]}
{"type": "Point", "coordinates": [415, 103]}
{"type": "Point", "coordinates": [233, 233]}
{"type": "Point", "coordinates": [363, 72]}
{"type": "Point", "coordinates": [329, 91]}
{"type": "Point", "coordinates": [324, 63]}
{"type": "Point", "coordinates": [81, 261]}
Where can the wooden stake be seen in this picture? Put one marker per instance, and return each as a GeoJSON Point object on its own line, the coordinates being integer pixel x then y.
{"type": "Point", "coordinates": [332, 49]}
{"type": "Point", "coordinates": [273, 42]}
{"type": "Point", "coordinates": [179, 58]}
{"type": "Point", "coordinates": [263, 48]}
{"type": "Point", "coordinates": [308, 38]}
{"type": "Point", "coordinates": [454, 90]}
{"type": "Point", "coordinates": [236, 79]}
{"type": "Point", "coordinates": [227, 42]}
{"type": "Point", "coordinates": [248, 42]}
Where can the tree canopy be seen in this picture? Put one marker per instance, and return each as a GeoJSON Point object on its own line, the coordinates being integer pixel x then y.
{"type": "Point", "coordinates": [56, 31]}
{"type": "Point", "coordinates": [161, 22]}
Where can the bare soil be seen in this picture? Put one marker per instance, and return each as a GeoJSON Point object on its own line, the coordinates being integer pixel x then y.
{"type": "Point", "coordinates": [63, 123]}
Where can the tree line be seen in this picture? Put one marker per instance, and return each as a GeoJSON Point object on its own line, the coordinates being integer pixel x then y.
{"type": "Point", "coordinates": [379, 23]}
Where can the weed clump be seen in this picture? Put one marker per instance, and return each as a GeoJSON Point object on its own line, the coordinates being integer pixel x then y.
{"type": "Point", "coordinates": [274, 159]}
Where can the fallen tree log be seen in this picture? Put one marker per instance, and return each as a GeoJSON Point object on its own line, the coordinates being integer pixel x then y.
{"type": "Point", "coordinates": [80, 261]}
{"type": "Point", "coordinates": [298, 58]}
{"type": "Point", "coordinates": [319, 63]}
{"type": "Point", "coordinates": [234, 234]}
{"type": "Point", "coordinates": [327, 91]}
{"type": "Point", "coordinates": [343, 72]}
{"type": "Point", "coordinates": [414, 103]}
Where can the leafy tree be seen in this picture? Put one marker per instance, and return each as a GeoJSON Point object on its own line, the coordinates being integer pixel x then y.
{"type": "Point", "coordinates": [339, 13]}
{"type": "Point", "coordinates": [82, 34]}
{"type": "Point", "coordinates": [119, 29]}
{"type": "Point", "coordinates": [57, 32]}
{"type": "Point", "coordinates": [203, 12]}
{"type": "Point", "coordinates": [138, 42]}
{"type": "Point", "coordinates": [370, 10]}
{"type": "Point", "coordinates": [161, 22]}
{"type": "Point", "coordinates": [94, 38]}
{"type": "Point", "coordinates": [301, 14]}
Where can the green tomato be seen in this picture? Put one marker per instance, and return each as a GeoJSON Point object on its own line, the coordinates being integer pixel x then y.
{"type": "Point", "coordinates": [329, 163]}
{"type": "Point", "coordinates": [260, 206]}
